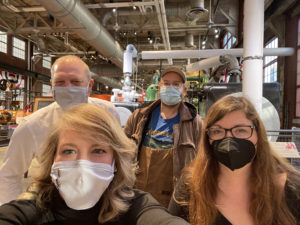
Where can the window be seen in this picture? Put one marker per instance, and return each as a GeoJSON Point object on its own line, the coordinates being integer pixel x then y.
{"type": "Point", "coordinates": [46, 90]}
{"type": "Point", "coordinates": [18, 48]}
{"type": "Point", "coordinates": [298, 74]}
{"type": "Point", "coordinates": [228, 40]}
{"type": "Point", "coordinates": [270, 63]}
{"type": "Point", "coordinates": [47, 62]}
{"type": "Point", "coordinates": [3, 43]}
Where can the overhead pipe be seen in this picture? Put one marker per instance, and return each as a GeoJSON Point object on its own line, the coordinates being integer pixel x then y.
{"type": "Point", "coordinates": [75, 15]}
{"type": "Point", "coordinates": [203, 64]}
{"type": "Point", "coordinates": [107, 70]}
{"type": "Point", "coordinates": [197, 6]}
{"type": "Point", "coordinates": [232, 64]}
{"type": "Point", "coordinates": [207, 53]}
{"type": "Point", "coordinates": [253, 52]}
{"type": "Point", "coordinates": [223, 61]}
{"type": "Point", "coordinates": [162, 20]}
{"type": "Point", "coordinates": [106, 80]}
{"type": "Point", "coordinates": [120, 12]}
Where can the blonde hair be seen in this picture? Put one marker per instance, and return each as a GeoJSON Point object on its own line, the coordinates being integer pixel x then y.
{"type": "Point", "coordinates": [98, 125]}
{"type": "Point", "coordinates": [71, 59]}
{"type": "Point", "coordinates": [267, 206]}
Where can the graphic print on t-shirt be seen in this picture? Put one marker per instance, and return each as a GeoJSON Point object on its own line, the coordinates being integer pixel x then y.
{"type": "Point", "coordinates": [159, 133]}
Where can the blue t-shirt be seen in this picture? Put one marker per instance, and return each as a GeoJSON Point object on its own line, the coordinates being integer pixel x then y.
{"type": "Point", "coordinates": [159, 133]}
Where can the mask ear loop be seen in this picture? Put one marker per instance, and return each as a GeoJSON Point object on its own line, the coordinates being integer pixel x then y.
{"type": "Point", "coordinates": [113, 165]}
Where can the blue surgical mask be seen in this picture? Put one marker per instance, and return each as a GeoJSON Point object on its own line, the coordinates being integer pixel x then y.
{"type": "Point", "coordinates": [170, 95]}
{"type": "Point", "coordinates": [70, 96]}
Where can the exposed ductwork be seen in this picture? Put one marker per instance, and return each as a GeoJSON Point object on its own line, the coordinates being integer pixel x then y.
{"type": "Point", "coordinates": [107, 70]}
{"type": "Point", "coordinates": [232, 64]}
{"type": "Point", "coordinates": [75, 15]}
{"type": "Point", "coordinates": [189, 40]}
{"type": "Point", "coordinates": [197, 6]}
{"type": "Point", "coordinates": [107, 81]}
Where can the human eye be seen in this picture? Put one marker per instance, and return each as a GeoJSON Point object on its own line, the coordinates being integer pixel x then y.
{"type": "Point", "coordinates": [241, 132]}
{"type": "Point", "coordinates": [68, 151]}
{"type": "Point", "coordinates": [59, 82]}
{"type": "Point", "coordinates": [98, 151]}
{"type": "Point", "coordinates": [241, 129]}
{"type": "Point", "coordinates": [216, 133]}
{"type": "Point", "coordinates": [177, 84]}
{"type": "Point", "coordinates": [76, 82]}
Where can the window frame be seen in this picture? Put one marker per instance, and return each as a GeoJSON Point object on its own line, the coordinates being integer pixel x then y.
{"type": "Point", "coordinates": [270, 62]}
{"type": "Point", "coordinates": [46, 60]}
{"type": "Point", "coordinates": [3, 43]}
{"type": "Point", "coordinates": [17, 49]}
{"type": "Point", "coordinates": [228, 40]}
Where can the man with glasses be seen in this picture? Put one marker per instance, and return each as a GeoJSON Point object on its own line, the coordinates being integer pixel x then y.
{"type": "Point", "coordinates": [167, 133]}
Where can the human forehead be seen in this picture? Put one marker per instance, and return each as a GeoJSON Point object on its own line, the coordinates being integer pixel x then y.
{"type": "Point", "coordinates": [232, 119]}
{"type": "Point", "coordinates": [68, 134]}
{"type": "Point", "coordinates": [171, 77]}
{"type": "Point", "coordinates": [70, 69]}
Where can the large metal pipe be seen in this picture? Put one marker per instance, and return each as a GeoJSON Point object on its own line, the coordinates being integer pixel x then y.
{"type": "Point", "coordinates": [107, 81]}
{"type": "Point", "coordinates": [253, 52]}
{"type": "Point", "coordinates": [207, 53]}
{"type": "Point", "coordinates": [107, 70]}
{"type": "Point", "coordinates": [75, 15]}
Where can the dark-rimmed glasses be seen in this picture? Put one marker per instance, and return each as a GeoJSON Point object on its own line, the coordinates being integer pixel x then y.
{"type": "Point", "coordinates": [242, 132]}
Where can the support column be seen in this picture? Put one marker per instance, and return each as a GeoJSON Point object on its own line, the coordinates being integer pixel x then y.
{"type": "Point", "coordinates": [253, 52]}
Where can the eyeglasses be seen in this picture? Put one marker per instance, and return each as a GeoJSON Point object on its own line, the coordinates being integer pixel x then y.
{"type": "Point", "coordinates": [175, 84]}
{"type": "Point", "coordinates": [242, 132]}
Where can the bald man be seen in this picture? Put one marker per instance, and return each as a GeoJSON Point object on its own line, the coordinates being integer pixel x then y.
{"type": "Point", "coordinates": [71, 84]}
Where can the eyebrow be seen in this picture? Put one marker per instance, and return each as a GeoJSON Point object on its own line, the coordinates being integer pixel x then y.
{"type": "Point", "coordinates": [237, 125]}
{"type": "Point", "coordinates": [68, 144]}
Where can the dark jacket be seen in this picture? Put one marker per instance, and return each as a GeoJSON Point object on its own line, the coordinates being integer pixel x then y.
{"type": "Point", "coordinates": [181, 195]}
{"type": "Point", "coordinates": [144, 210]}
{"type": "Point", "coordinates": [186, 133]}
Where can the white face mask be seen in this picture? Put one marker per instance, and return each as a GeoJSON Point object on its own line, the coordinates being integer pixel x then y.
{"type": "Point", "coordinates": [81, 183]}
{"type": "Point", "coordinates": [170, 95]}
{"type": "Point", "coordinates": [70, 96]}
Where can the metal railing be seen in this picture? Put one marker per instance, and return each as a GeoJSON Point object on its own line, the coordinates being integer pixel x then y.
{"type": "Point", "coordinates": [292, 135]}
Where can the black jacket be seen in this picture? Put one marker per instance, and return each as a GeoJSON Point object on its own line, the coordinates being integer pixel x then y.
{"type": "Point", "coordinates": [144, 210]}
{"type": "Point", "coordinates": [181, 194]}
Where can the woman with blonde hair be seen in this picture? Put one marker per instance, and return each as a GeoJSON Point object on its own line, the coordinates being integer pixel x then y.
{"type": "Point", "coordinates": [86, 177]}
{"type": "Point", "coordinates": [237, 178]}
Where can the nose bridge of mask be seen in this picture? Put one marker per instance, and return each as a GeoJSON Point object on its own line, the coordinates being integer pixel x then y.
{"type": "Point", "coordinates": [81, 182]}
{"type": "Point", "coordinates": [227, 145]}
{"type": "Point", "coordinates": [233, 152]}
{"type": "Point", "coordinates": [71, 95]}
{"type": "Point", "coordinates": [83, 169]}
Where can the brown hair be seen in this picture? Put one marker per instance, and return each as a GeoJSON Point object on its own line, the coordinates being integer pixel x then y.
{"type": "Point", "coordinates": [98, 125]}
{"type": "Point", "coordinates": [267, 206]}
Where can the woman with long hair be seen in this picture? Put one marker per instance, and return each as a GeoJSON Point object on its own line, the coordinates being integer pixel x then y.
{"type": "Point", "coordinates": [86, 176]}
{"type": "Point", "coordinates": [236, 178]}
